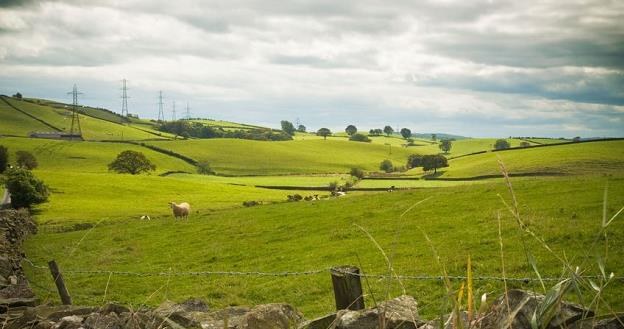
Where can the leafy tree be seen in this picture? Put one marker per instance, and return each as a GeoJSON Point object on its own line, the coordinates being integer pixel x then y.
{"type": "Point", "coordinates": [26, 160]}
{"type": "Point", "coordinates": [350, 130]}
{"type": "Point", "coordinates": [414, 161]}
{"type": "Point", "coordinates": [301, 128]}
{"type": "Point", "coordinates": [576, 139]}
{"type": "Point", "coordinates": [131, 162]}
{"type": "Point", "coordinates": [203, 168]}
{"type": "Point", "coordinates": [446, 145]}
{"type": "Point", "coordinates": [288, 127]}
{"type": "Point", "coordinates": [386, 166]}
{"type": "Point", "coordinates": [434, 162]}
{"type": "Point", "coordinates": [26, 189]}
{"type": "Point", "coordinates": [525, 144]}
{"type": "Point", "coordinates": [4, 158]}
{"type": "Point", "coordinates": [501, 144]}
{"type": "Point", "coordinates": [434, 137]}
{"type": "Point", "coordinates": [359, 138]}
{"type": "Point", "coordinates": [324, 132]}
{"type": "Point", "coordinates": [357, 172]}
{"type": "Point", "coordinates": [388, 130]}
{"type": "Point", "coordinates": [406, 133]}
{"type": "Point", "coordinates": [18, 95]}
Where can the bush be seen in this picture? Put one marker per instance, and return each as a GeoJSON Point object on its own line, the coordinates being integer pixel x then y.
{"type": "Point", "coordinates": [131, 162]}
{"type": "Point", "coordinates": [525, 144]}
{"type": "Point", "coordinates": [4, 158]}
{"type": "Point", "coordinates": [414, 161]}
{"type": "Point", "coordinates": [386, 166]}
{"type": "Point", "coordinates": [359, 138]}
{"type": "Point", "coordinates": [250, 203]}
{"type": "Point", "coordinates": [203, 168]}
{"type": "Point", "coordinates": [26, 189]}
{"type": "Point", "coordinates": [26, 160]}
{"type": "Point", "coordinates": [501, 144]}
{"type": "Point", "coordinates": [357, 172]}
{"type": "Point", "coordinates": [333, 185]}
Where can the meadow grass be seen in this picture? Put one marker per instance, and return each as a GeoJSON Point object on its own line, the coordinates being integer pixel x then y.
{"type": "Point", "coordinates": [573, 158]}
{"type": "Point", "coordinates": [421, 183]}
{"type": "Point", "coordinates": [73, 156]}
{"type": "Point", "coordinates": [247, 157]}
{"type": "Point", "coordinates": [471, 145]}
{"type": "Point", "coordinates": [284, 180]}
{"type": "Point", "coordinates": [459, 220]}
{"type": "Point", "coordinates": [16, 123]}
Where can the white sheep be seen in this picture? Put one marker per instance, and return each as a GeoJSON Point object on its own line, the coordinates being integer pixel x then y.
{"type": "Point", "coordinates": [181, 210]}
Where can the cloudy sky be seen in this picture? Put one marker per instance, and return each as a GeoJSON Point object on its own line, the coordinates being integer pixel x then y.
{"type": "Point", "coordinates": [475, 68]}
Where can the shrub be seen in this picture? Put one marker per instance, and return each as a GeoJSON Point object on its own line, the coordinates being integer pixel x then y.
{"type": "Point", "coordinates": [250, 203]}
{"type": "Point", "coordinates": [26, 160]}
{"type": "Point", "coordinates": [131, 162]}
{"type": "Point", "coordinates": [203, 168]}
{"type": "Point", "coordinates": [359, 138]}
{"type": "Point", "coordinates": [357, 172]}
{"type": "Point", "coordinates": [386, 166]}
{"type": "Point", "coordinates": [501, 144]}
{"type": "Point", "coordinates": [26, 189]}
{"type": "Point", "coordinates": [4, 158]}
{"type": "Point", "coordinates": [333, 185]}
{"type": "Point", "coordinates": [525, 144]}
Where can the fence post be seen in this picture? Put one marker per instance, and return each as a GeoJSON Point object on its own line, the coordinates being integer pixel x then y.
{"type": "Point", "coordinates": [347, 287]}
{"type": "Point", "coordinates": [60, 284]}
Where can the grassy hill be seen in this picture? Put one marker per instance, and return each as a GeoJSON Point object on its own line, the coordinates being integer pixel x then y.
{"type": "Point", "coordinates": [247, 157]}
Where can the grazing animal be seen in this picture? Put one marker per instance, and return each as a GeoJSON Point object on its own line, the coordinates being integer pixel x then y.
{"type": "Point", "coordinates": [181, 210]}
{"type": "Point", "coordinates": [146, 217]}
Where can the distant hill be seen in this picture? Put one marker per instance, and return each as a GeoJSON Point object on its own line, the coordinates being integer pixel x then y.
{"type": "Point", "coordinates": [439, 136]}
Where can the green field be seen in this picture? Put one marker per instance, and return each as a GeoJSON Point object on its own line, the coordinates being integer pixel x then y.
{"type": "Point", "coordinates": [18, 124]}
{"type": "Point", "coordinates": [247, 157]}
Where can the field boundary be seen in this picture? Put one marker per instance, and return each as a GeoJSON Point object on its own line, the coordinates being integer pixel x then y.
{"type": "Point", "coordinates": [473, 178]}
{"type": "Point", "coordinates": [159, 150]}
{"type": "Point", "coordinates": [3, 97]}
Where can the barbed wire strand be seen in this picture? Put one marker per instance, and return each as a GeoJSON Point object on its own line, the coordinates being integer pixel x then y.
{"type": "Point", "coordinates": [304, 273]}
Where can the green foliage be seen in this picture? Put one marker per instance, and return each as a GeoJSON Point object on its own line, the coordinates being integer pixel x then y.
{"type": "Point", "coordinates": [375, 132]}
{"type": "Point", "coordinates": [414, 161]}
{"type": "Point", "coordinates": [501, 144]}
{"type": "Point", "coordinates": [359, 138]}
{"type": "Point", "coordinates": [434, 137]}
{"type": "Point", "coordinates": [525, 144]}
{"type": "Point", "coordinates": [388, 130]}
{"type": "Point", "coordinates": [4, 158]}
{"type": "Point", "coordinates": [350, 130]}
{"type": "Point", "coordinates": [26, 189]}
{"type": "Point", "coordinates": [434, 161]}
{"type": "Point", "coordinates": [17, 95]}
{"type": "Point", "coordinates": [301, 128]}
{"type": "Point", "coordinates": [188, 128]}
{"type": "Point", "coordinates": [446, 145]}
{"type": "Point", "coordinates": [288, 127]}
{"type": "Point", "coordinates": [203, 168]}
{"type": "Point", "coordinates": [406, 133]}
{"type": "Point", "coordinates": [324, 132]}
{"type": "Point", "coordinates": [26, 160]}
{"type": "Point", "coordinates": [357, 172]}
{"type": "Point", "coordinates": [131, 162]}
{"type": "Point", "coordinates": [386, 165]}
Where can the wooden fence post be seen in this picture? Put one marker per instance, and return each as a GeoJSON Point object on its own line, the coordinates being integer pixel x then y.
{"type": "Point", "coordinates": [60, 284]}
{"type": "Point", "coordinates": [347, 288]}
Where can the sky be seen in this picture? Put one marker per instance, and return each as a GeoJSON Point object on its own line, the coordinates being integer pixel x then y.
{"type": "Point", "coordinates": [473, 68]}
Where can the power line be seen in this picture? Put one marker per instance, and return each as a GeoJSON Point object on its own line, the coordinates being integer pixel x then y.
{"type": "Point", "coordinates": [188, 111]}
{"type": "Point", "coordinates": [173, 115]}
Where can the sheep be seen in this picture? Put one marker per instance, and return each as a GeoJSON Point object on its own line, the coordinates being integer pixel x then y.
{"type": "Point", "coordinates": [146, 217]}
{"type": "Point", "coordinates": [181, 210]}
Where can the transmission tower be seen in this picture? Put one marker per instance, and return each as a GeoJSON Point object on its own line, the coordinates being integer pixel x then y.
{"type": "Point", "coordinates": [188, 111]}
{"type": "Point", "coordinates": [75, 130]}
{"type": "Point", "coordinates": [124, 99]}
{"type": "Point", "coordinates": [173, 117]}
{"type": "Point", "coordinates": [161, 114]}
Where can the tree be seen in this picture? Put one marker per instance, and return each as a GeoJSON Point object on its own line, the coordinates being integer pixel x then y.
{"type": "Point", "coordinates": [324, 132]}
{"type": "Point", "coordinates": [576, 139]}
{"type": "Point", "coordinates": [406, 133]}
{"type": "Point", "coordinates": [4, 158]}
{"type": "Point", "coordinates": [203, 168]}
{"type": "Point", "coordinates": [18, 95]}
{"type": "Point", "coordinates": [434, 137]}
{"type": "Point", "coordinates": [131, 162]}
{"type": "Point", "coordinates": [388, 130]}
{"type": "Point", "coordinates": [26, 189]}
{"type": "Point", "coordinates": [288, 127]}
{"type": "Point", "coordinates": [301, 128]}
{"type": "Point", "coordinates": [26, 160]}
{"type": "Point", "coordinates": [501, 144]}
{"type": "Point", "coordinates": [359, 138]}
{"type": "Point", "coordinates": [446, 145]}
{"type": "Point", "coordinates": [525, 144]}
{"type": "Point", "coordinates": [434, 162]}
{"type": "Point", "coordinates": [357, 173]}
{"type": "Point", "coordinates": [386, 166]}
{"type": "Point", "coordinates": [350, 130]}
{"type": "Point", "coordinates": [414, 161]}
